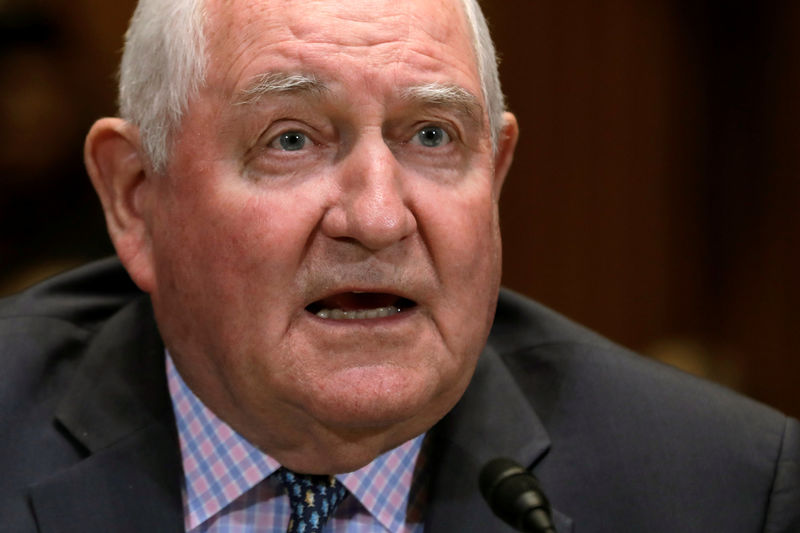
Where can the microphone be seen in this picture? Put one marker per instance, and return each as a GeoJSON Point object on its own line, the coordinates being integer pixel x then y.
{"type": "Point", "coordinates": [514, 495]}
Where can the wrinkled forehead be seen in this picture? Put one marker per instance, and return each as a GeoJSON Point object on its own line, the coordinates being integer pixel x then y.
{"type": "Point", "coordinates": [237, 29]}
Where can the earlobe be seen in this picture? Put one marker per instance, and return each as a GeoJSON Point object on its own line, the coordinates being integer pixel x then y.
{"type": "Point", "coordinates": [506, 143]}
{"type": "Point", "coordinates": [116, 168]}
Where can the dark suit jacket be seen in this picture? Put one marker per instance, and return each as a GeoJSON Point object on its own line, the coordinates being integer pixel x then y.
{"type": "Point", "coordinates": [620, 444]}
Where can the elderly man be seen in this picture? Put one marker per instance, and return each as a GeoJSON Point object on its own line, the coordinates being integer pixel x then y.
{"type": "Point", "coordinates": [304, 196]}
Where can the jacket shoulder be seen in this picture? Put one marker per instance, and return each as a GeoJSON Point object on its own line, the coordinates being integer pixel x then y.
{"type": "Point", "coordinates": [636, 438]}
{"type": "Point", "coordinates": [45, 334]}
{"type": "Point", "coordinates": [44, 330]}
{"type": "Point", "coordinates": [85, 296]}
{"type": "Point", "coordinates": [534, 339]}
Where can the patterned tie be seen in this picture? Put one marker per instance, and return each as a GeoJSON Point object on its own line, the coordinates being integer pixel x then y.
{"type": "Point", "coordinates": [313, 498]}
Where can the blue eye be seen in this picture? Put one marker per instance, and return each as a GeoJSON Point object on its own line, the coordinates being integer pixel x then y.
{"type": "Point", "coordinates": [432, 136]}
{"type": "Point", "coordinates": [291, 141]}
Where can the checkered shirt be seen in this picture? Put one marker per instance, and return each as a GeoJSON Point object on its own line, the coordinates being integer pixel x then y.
{"type": "Point", "coordinates": [228, 487]}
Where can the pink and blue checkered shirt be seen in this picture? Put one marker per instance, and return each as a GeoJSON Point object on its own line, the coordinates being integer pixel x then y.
{"type": "Point", "coordinates": [228, 489]}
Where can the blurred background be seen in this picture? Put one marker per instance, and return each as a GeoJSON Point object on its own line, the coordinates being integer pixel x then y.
{"type": "Point", "coordinates": [654, 196]}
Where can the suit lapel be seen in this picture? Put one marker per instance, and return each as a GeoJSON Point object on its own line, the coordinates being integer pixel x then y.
{"type": "Point", "coordinates": [131, 486]}
{"type": "Point", "coordinates": [492, 419]}
{"type": "Point", "coordinates": [118, 409]}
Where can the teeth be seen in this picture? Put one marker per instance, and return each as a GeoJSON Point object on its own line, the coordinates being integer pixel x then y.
{"type": "Point", "coordinates": [338, 314]}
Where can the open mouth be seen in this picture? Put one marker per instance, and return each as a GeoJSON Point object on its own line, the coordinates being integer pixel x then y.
{"type": "Point", "coordinates": [360, 306]}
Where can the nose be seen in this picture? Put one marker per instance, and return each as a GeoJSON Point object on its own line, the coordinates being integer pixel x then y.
{"type": "Point", "coordinates": [372, 206]}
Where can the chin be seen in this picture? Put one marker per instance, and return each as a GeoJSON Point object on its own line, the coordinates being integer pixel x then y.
{"type": "Point", "coordinates": [382, 398]}
{"type": "Point", "coordinates": [363, 413]}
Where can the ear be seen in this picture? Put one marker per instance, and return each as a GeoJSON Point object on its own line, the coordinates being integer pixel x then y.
{"type": "Point", "coordinates": [506, 143]}
{"type": "Point", "coordinates": [116, 167]}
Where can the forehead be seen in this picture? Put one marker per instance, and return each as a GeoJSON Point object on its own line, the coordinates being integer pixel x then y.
{"type": "Point", "coordinates": [391, 37]}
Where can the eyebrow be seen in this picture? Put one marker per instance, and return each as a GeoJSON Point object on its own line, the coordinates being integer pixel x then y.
{"type": "Point", "coordinates": [446, 96]}
{"type": "Point", "coordinates": [426, 95]}
{"type": "Point", "coordinates": [278, 83]}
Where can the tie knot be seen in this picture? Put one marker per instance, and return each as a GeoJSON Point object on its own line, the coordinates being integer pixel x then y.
{"type": "Point", "coordinates": [313, 499]}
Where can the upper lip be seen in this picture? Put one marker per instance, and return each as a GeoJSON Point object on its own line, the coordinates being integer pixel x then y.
{"type": "Point", "coordinates": [387, 290]}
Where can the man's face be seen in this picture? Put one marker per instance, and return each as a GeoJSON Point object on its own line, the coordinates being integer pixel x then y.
{"type": "Point", "coordinates": [324, 244]}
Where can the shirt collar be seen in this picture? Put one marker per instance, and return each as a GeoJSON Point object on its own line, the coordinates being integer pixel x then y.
{"type": "Point", "coordinates": [220, 465]}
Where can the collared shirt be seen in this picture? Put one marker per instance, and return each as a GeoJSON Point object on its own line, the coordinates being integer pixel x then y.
{"type": "Point", "coordinates": [228, 489]}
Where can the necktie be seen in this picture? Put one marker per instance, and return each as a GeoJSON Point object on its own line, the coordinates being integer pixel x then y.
{"type": "Point", "coordinates": [313, 499]}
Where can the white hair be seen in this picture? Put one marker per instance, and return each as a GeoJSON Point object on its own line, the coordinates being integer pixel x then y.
{"type": "Point", "coordinates": [164, 64]}
{"type": "Point", "coordinates": [487, 68]}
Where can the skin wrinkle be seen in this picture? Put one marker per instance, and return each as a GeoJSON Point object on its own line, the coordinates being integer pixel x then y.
{"type": "Point", "coordinates": [392, 29]}
{"type": "Point", "coordinates": [447, 99]}
{"type": "Point", "coordinates": [430, 94]}
{"type": "Point", "coordinates": [147, 106]}
{"type": "Point", "coordinates": [368, 21]}
{"type": "Point", "coordinates": [446, 96]}
{"type": "Point", "coordinates": [381, 63]}
{"type": "Point", "coordinates": [235, 261]}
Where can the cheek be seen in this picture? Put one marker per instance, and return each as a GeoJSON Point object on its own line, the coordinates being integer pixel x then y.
{"type": "Point", "coordinates": [232, 236]}
{"type": "Point", "coordinates": [463, 238]}
{"type": "Point", "coordinates": [219, 255]}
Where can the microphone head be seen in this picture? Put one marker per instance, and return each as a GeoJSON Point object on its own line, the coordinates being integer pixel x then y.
{"type": "Point", "coordinates": [514, 495]}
